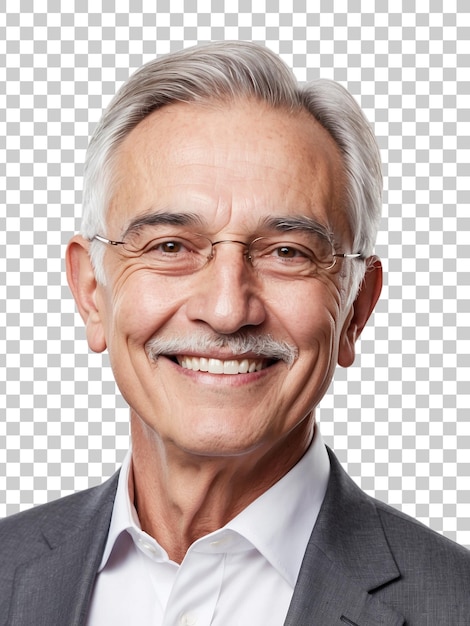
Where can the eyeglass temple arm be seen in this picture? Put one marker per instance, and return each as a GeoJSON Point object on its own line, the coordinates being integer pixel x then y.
{"type": "Point", "coordinates": [353, 255]}
{"type": "Point", "coordinates": [108, 241]}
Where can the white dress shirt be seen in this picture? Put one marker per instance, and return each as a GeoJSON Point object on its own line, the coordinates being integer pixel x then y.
{"type": "Point", "coordinates": [241, 575]}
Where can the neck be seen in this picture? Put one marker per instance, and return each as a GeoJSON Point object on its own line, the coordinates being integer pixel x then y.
{"type": "Point", "coordinates": [181, 497]}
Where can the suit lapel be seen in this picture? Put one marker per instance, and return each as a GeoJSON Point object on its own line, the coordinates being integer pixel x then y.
{"type": "Point", "coordinates": [347, 558]}
{"type": "Point", "coordinates": [330, 597]}
{"type": "Point", "coordinates": [55, 589]}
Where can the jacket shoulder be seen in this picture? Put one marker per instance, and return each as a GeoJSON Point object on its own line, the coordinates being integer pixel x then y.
{"type": "Point", "coordinates": [419, 549]}
{"type": "Point", "coordinates": [26, 535]}
{"type": "Point", "coordinates": [367, 563]}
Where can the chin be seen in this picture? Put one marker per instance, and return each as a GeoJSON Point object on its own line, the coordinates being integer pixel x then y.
{"type": "Point", "coordinates": [219, 438]}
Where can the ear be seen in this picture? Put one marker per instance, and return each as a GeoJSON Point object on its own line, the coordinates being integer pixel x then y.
{"type": "Point", "coordinates": [361, 310]}
{"type": "Point", "coordinates": [83, 285]}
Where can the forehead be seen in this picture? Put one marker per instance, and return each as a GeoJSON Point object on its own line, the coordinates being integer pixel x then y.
{"type": "Point", "coordinates": [231, 164]}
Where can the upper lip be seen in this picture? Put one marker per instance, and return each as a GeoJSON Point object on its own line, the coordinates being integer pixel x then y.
{"type": "Point", "coordinates": [221, 356]}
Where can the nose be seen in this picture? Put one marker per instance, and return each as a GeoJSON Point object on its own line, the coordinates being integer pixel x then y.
{"type": "Point", "coordinates": [227, 293]}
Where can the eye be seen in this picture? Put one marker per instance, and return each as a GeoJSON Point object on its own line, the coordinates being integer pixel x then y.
{"type": "Point", "coordinates": [283, 258]}
{"type": "Point", "coordinates": [167, 246]}
{"type": "Point", "coordinates": [288, 252]}
{"type": "Point", "coordinates": [170, 246]}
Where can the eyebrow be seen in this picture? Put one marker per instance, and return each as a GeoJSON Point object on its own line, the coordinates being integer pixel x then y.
{"type": "Point", "coordinates": [297, 223]}
{"type": "Point", "coordinates": [285, 223]}
{"type": "Point", "coordinates": [161, 217]}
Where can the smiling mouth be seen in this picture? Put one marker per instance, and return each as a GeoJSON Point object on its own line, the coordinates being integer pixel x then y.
{"type": "Point", "coordinates": [217, 366]}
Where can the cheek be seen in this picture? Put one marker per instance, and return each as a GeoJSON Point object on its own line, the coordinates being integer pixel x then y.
{"type": "Point", "coordinates": [141, 305]}
{"type": "Point", "coordinates": [312, 316]}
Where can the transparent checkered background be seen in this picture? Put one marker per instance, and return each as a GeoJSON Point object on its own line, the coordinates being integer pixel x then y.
{"type": "Point", "coordinates": [399, 419]}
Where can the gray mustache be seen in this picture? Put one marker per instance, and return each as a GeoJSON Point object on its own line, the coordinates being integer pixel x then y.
{"type": "Point", "coordinates": [263, 346]}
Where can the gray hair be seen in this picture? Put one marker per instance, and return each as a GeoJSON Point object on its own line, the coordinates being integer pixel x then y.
{"type": "Point", "coordinates": [227, 72]}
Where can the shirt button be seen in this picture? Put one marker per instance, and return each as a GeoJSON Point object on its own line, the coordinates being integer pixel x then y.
{"type": "Point", "coordinates": [148, 547]}
{"type": "Point", "coordinates": [223, 540]}
{"type": "Point", "coordinates": [188, 619]}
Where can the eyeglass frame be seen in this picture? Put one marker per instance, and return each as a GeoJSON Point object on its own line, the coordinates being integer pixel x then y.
{"type": "Point", "coordinates": [335, 255]}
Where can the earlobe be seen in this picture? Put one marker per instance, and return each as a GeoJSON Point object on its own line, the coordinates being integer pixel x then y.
{"type": "Point", "coordinates": [83, 285]}
{"type": "Point", "coordinates": [361, 310]}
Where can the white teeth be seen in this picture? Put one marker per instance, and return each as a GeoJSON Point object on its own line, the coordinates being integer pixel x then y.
{"type": "Point", "coordinates": [216, 366]}
{"type": "Point", "coordinates": [243, 366]}
{"type": "Point", "coordinates": [230, 367]}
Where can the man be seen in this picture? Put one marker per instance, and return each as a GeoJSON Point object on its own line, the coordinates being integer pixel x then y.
{"type": "Point", "coordinates": [226, 263]}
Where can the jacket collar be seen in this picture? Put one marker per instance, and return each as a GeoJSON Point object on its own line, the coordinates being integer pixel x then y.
{"type": "Point", "coordinates": [55, 588]}
{"type": "Point", "coordinates": [347, 558]}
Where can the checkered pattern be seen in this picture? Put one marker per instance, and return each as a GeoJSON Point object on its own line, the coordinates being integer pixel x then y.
{"type": "Point", "coordinates": [399, 419]}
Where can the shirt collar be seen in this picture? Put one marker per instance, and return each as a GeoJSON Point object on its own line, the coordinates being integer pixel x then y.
{"type": "Point", "coordinates": [124, 516]}
{"type": "Point", "coordinates": [278, 523]}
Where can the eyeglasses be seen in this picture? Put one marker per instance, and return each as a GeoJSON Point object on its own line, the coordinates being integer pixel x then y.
{"type": "Point", "coordinates": [181, 253]}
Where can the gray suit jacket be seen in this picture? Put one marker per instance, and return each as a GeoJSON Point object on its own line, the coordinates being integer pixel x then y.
{"type": "Point", "coordinates": [366, 564]}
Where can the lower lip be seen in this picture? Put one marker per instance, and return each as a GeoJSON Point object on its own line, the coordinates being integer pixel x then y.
{"type": "Point", "coordinates": [231, 380]}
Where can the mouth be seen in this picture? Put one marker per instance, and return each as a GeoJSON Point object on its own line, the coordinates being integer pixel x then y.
{"type": "Point", "coordinates": [219, 366]}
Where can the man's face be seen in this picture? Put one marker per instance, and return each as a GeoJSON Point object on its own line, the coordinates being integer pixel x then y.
{"type": "Point", "coordinates": [233, 171]}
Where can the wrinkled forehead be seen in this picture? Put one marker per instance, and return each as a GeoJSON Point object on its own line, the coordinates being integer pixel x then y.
{"type": "Point", "coordinates": [241, 161]}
